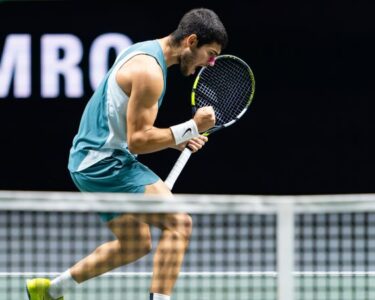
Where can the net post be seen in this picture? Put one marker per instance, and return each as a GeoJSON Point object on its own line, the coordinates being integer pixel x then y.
{"type": "Point", "coordinates": [285, 250]}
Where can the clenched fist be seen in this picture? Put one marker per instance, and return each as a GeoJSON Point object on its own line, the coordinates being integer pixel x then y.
{"type": "Point", "coordinates": [205, 118]}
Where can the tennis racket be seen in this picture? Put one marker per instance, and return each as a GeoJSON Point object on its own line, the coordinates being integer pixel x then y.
{"type": "Point", "coordinates": [229, 88]}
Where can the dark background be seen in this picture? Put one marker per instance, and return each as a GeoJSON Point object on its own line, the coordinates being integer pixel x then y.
{"type": "Point", "coordinates": [310, 127]}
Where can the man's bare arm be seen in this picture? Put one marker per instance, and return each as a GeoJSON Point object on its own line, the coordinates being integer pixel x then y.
{"type": "Point", "coordinates": [143, 80]}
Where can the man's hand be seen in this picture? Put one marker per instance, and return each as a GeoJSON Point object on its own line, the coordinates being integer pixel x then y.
{"type": "Point", "coordinates": [205, 118]}
{"type": "Point", "coordinates": [194, 144]}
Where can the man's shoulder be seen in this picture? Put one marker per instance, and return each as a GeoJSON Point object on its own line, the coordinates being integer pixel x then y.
{"type": "Point", "coordinates": [144, 66]}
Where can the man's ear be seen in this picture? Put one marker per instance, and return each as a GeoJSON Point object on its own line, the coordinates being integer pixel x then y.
{"type": "Point", "coordinates": [192, 41]}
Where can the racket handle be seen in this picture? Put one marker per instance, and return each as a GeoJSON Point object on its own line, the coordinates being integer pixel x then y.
{"type": "Point", "coordinates": [177, 168]}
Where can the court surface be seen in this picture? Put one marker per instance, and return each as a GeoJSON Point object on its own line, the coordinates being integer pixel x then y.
{"type": "Point", "coordinates": [208, 286]}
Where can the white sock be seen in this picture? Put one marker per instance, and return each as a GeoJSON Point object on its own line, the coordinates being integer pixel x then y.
{"type": "Point", "coordinates": [62, 284]}
{"type": "Point", "coordinates": [156, 296]}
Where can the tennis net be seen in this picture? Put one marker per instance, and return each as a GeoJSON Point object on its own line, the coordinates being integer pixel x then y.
{"type": "Point", "coordinates": [241, 247]}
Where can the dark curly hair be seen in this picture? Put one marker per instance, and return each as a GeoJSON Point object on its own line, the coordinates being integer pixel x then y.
{"type": "Point", "coordinates": [205, 24]}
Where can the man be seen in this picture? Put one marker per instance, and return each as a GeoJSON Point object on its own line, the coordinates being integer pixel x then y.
{"type": "Point", "coordinates": [118, 124]}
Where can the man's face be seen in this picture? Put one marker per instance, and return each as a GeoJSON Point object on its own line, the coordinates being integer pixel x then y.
{"type": "Point", "coordinates": [193, 57]}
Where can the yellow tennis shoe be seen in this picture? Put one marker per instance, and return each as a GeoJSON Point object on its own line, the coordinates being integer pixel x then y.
{"type": "Point", "coordinates": [37, 289]}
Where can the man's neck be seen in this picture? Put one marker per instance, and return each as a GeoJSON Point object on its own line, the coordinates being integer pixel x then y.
{"type": "Point", "coordinates": [171, 54]}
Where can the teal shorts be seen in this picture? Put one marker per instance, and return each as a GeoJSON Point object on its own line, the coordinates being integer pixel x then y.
{"type": "Point", "coordinates": [114, 175]}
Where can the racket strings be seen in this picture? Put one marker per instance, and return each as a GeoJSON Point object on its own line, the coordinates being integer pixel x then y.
{"type": "Point", "coordinates": [227, 87]}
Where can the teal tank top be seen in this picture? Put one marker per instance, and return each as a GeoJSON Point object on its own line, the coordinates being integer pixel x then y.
{"type": "Point", "coordinates": [102, 131]}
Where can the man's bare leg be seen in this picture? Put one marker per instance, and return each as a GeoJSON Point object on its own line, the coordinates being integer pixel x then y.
{"type": "Point", "coordinates": [176, 231]}
{"type": "Point", "coordinates": [133, 241]}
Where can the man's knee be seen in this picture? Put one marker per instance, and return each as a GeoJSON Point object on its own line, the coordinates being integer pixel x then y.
{"type": "Point", "coordinates": [182, 224]}
{"type": "Point", "coordinates": [138, 245]}
{"type": "Point", "coordinates": [132, 236]}
{"type": "Point", "coordinates": [140, 240]}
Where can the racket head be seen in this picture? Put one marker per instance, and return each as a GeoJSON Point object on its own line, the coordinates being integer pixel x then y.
{"type": "Point", "coordinates": [228, 87]}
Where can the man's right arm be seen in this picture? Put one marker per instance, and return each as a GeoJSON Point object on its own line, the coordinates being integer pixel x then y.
{"type": "Point", "coordinates": [146, 82]}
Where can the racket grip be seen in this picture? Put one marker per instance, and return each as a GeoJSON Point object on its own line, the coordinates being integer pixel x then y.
{"type": "Point", "coordinates": [177, 168]}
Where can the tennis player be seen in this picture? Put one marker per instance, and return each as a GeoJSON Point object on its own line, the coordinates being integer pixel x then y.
{"type": "Point", "coordinates": [116, 126]}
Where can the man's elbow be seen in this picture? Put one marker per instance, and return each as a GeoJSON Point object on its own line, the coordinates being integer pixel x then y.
{"type": "Point", "coordinates": [136, 143]}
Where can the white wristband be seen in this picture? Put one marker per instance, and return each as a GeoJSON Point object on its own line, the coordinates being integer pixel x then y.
{"type": "Point", "coordinates": [185, 131]}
